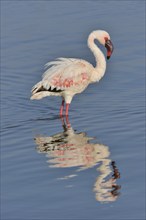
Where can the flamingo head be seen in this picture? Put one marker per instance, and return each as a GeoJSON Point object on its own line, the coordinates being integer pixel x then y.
{"type": "Point", "coordinates": [104, 38]}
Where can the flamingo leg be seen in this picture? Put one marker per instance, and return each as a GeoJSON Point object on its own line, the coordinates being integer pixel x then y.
{"type": "Point", "coordinates": [67, 108]}
{"type": "Point", "coordinates": [67, 122]}
{"type": "Point", "coordinates": [62, 107]}
{"type": "Point", "coordinates": [65, 125]}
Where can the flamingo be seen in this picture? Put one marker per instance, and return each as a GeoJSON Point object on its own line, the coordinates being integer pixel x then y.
{"type": "Point", "coordinates": [67, 77]}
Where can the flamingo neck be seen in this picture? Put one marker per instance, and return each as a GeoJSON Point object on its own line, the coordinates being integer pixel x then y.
{"type": "Point", "coordinates": [99, 57]}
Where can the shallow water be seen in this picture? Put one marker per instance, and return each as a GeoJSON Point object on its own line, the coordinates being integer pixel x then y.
{"type": "Point", "coordinates": [94, 168]}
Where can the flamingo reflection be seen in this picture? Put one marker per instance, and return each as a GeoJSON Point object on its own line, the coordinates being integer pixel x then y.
{"type": "Point", "coordinates": [75, 149]}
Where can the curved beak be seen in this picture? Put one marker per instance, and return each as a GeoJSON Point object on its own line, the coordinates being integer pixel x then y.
{"type": "Point", "coordinates": [109, 46]}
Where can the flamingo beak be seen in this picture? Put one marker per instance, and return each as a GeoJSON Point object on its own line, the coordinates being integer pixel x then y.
{"type": "Point", "coordinates": [109, 46]}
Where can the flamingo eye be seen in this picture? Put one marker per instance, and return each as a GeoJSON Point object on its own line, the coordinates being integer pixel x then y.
{"type": "Point", "coordinates": [106, 39]}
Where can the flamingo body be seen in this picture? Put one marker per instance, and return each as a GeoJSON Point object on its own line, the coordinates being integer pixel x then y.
{"type": "Point", "coordinates": [68, 76]}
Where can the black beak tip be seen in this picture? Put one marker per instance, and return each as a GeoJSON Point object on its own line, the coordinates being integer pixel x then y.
{"type": "Point", "coordinates": [108, 57]}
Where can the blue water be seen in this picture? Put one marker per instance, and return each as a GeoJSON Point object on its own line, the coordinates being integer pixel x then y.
{"type": "Point", "coordinates": [94, 169]}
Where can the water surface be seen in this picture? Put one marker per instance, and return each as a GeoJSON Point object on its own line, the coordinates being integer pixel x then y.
{"type": "Point", "coordinates": [93, 168]}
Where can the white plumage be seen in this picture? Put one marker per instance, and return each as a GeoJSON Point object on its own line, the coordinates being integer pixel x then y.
{"type": "Point", "coordinates": [68, 76]}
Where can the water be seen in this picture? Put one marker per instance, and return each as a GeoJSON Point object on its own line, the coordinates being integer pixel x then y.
{"type": "Point", "coordinates": [94, 169]}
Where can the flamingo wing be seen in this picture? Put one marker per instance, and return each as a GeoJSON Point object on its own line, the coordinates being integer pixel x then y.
{"type": "Point", "coordinates": [64, 74]}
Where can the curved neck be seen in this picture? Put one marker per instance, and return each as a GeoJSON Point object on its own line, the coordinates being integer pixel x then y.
{"type": "Point", "coordinates": [99, 57]}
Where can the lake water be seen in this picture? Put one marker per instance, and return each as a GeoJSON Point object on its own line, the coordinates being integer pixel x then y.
{"type": "Point", "coordinates": [94, 169]}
